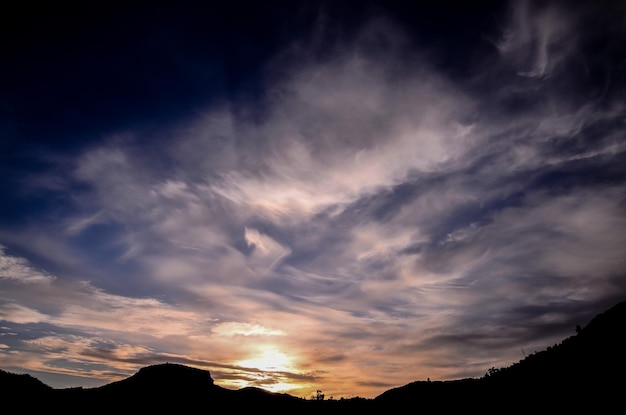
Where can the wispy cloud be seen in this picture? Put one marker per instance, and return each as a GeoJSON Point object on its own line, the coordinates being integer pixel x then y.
{"type": "Point", "coordinates": [245, 329]}
{"type": "Point", "coordinates": [539, 37]}
{"type": "Point", "coordinates": [344, 130]}
{"type": "Point", "coordinates": [20, 270]}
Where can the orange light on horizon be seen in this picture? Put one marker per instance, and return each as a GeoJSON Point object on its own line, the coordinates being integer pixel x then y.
{"type": "Point", "coordinates": [270, 365]}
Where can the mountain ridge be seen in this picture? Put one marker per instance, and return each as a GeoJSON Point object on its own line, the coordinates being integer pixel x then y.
{"type": "Point", "coordinates": [583, 370]}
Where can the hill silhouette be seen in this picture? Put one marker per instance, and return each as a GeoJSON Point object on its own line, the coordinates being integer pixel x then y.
{"type": "Point", "coordinates": [170, 387]}
{"type": "Point", "coordinates": [583, 372]}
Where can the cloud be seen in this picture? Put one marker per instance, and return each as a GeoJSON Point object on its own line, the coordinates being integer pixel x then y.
{"type": "Point", "coordinates": [344, 130]}
{"type": "Point", "coordinates": [266, 252]}
{"type": "Point", "coordinates": [87, 349]}
{"type": "Point", "coordinates": [572, 236]}
{"type": "Point", "coordinates": [546, 253]}
{"type": "Point", "coordinates": [79, 225]}
{"type": "Point", "coordinates": [334, 132]}
{"type": "Point", "coordinates": [141, 316]}
{"type": "Point", "coordinates": [20, 270]}
{"type": "Point", "coordinates": [79, 305]}
{"type": "Point", "coordinates": [539, 37]}
{"type": "Point", "coordinates": [105, 169]}
{"type": "Point", "coordinates": [20, 314]}
{"type": "Point", "coordinates": [245, 329]}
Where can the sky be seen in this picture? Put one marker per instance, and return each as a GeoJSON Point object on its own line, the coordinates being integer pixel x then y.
{"type": "Point", "coordinates": [344, 196]}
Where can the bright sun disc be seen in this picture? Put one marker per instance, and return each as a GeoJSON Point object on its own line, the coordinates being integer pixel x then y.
{"type": "Point", "coordinates": [270, 360]}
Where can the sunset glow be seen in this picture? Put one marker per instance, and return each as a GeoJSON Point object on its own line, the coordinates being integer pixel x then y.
{"type": "Point", "coordinates": [269, 369]}
{"type": "Point", "coordinates": [268, 360]}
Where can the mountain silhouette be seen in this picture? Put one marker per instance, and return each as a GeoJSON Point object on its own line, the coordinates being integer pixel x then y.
{"type": "Point", "coordinates": [583, 372]}
{"type": "Point", "coordinates": [172, 387]}
{"type": "Point", "coordinates": [168, 378]}
{"type": "Point", "coordinates": [11, 383]}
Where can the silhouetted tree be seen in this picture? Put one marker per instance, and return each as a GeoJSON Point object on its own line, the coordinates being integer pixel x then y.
{"type": "Point", "coordinates": [319, 396]}
{"type": "Point", "coordinates": [492, 371]}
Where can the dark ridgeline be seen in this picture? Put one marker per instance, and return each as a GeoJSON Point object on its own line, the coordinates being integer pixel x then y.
{"type": "Point", "coordinates": [584, 372]}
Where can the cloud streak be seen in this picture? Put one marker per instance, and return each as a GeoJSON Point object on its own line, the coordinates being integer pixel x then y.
{"type": "Point", "coordinates": [539, 37]}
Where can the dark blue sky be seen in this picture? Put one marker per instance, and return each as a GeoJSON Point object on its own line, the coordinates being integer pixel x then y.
{"type": "Point", "coordinates": [309, 194]}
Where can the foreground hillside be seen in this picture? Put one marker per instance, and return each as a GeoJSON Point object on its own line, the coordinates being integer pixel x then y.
{"type": "Point", "coordinates": [584, 371]}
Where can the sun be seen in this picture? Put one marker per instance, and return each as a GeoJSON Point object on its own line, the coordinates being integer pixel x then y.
{"type": "Point", "coordinates": [268, 368]}
{"type": "Point", "coordinates": [268, 360]}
